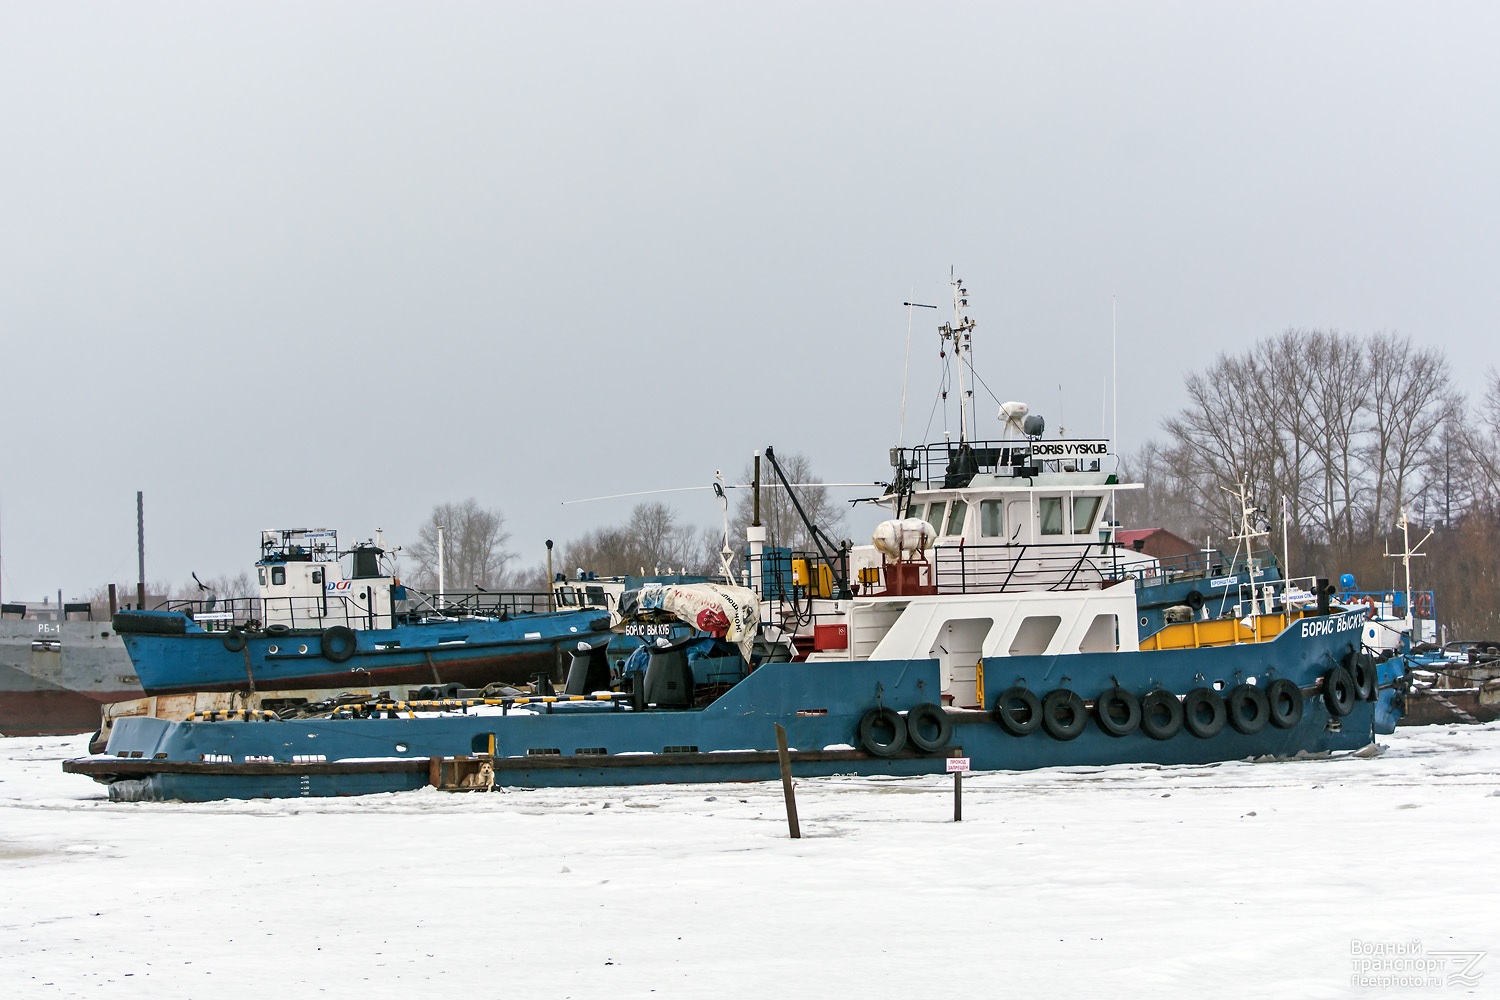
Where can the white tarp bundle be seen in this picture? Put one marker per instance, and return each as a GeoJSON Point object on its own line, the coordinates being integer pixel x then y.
{"type": "Point", "coordinates": [724, 612]}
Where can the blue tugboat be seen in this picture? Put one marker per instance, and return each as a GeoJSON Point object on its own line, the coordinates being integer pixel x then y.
{"type": "Point", "coordinates": [986, 620]}
{"type": "Point", "coordinates": [315, 627]}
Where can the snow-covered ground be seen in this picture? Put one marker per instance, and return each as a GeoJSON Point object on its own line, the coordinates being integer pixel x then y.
{"type": "Point", "coordinates": [1225, 881]}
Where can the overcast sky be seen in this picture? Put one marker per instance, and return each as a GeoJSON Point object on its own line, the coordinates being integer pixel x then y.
{"type": "Point", "coordinates": [331, 264]}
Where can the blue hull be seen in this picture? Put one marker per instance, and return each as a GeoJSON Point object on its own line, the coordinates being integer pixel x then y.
{"type": "Point", "coordinates": [472, 652]}
{"type": "Point", "coordinates": [820, 704]}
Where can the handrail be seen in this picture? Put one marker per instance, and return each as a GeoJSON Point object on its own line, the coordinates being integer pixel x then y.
{"type": "Point", "coordinates": [223, 614]}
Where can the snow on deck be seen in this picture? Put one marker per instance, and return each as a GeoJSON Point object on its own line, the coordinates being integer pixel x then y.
{"type": "Point", "coordinates": [1232, 880]}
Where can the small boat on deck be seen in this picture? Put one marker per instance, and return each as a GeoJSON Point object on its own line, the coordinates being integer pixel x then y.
{"type": "Point", "coordinates": [315, 625]}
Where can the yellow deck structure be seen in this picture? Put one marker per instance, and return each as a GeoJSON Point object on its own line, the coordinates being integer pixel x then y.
{"type": "Point", "coordinates": [1221, 631]}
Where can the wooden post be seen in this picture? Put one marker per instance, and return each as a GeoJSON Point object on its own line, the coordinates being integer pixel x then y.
{"type": "Point", "coordinates": [957, 765]}
{"type": "Point", "coordinates": [786, 782]}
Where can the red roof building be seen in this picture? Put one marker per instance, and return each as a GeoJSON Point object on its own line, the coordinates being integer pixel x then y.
{"type": "Point", "coordinates": [1158, 542]}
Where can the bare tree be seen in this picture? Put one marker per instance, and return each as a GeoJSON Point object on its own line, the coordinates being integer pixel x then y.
{"type": "Point", "coordinates": [783, 526]}
{"type": "Point", "coordinates": [1481, 441]}
{"type": "Point", "coordinates": [1345, 428]}
{"type": "Point", "coordinates": [474, 547]}
{"type": "Point", "coordinates": [222, 587]}
{"type": "Point", "coordinates": [1409, 401]}
{"type": "Point", "coordinates": [652, 541]}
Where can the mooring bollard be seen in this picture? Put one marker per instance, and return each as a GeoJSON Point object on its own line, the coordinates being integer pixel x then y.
{"type": "Point", "coordinates": [786, 782]}
{"type": "Point", "coordinates": [956, 767]}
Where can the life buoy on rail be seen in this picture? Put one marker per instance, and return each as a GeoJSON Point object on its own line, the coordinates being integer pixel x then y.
{"type": "Point", "coordinates": [338, 643]}
{"type": "Point", "coordinates": [1018, 710]}
{"type": "Point", "coordinates": [1118, 712]}
{"type": "Point", "coordinates": [928, 727]}
{"type": "Point", "coordinates": [882, 732]}
{"type": "Point", "coordinates": [1161, 714]}
{"type": "Point", "coordinates": [1369, 607]}
{"type": "Point", "coordinates": [1285, 702]}
{"type": "Point", "coordinates": [1423, 605]}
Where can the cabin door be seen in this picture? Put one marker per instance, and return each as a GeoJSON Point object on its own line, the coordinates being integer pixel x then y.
{"type": "Point", "coordinates": [958, 649]}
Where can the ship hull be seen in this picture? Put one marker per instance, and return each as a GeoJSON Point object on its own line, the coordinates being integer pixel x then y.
{"type": "Point", "coordinates": [471, 653]}
{"type": "Point", "coordinates": [820, 705]}
{"type": "Point", "coordinates": [54, 678]}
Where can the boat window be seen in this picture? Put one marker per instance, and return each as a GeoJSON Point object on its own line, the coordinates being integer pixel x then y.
{"type": "Point", "coordinates": [1102, 636]}
{"type": "Point", "coordinates": [991, 518]}
{"type": "Point", "coordinates": [935, 516]}
{"type": "Point", "coordinates": [916, 510]}
{"type": "Point", "coordinates": [1019, 516]}
{"type": "Point", "coordinates": [278, 576]}
{"type": "Point", "coordinates": [1084, 509]}
{"type": "Point", "coordinates": [262, 574]}
{"type": "Point", "coordinates": [1051, 511]}
{"type": "Point", "coordinates": [565, 597]}
{"type": "Point", "coordinates": [317, 576]}
{"type": "Point", "coordinates": [1034, 635]}
{"type": "Point", "coordinates": [956, 519]}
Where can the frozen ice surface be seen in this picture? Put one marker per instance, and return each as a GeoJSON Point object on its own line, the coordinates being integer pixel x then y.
{"type": "Point", "coordinates": [1240, 879]}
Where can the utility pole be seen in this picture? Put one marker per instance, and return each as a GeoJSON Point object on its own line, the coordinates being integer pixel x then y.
{"type": "Point", "coordinates": [140, 550]}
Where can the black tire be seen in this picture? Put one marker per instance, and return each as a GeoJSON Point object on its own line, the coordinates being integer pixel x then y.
{"type": "Point", "coordinates": [1118, 712]}
{"type": "Point", "coordinates": [882, 732]}
{"type": "Point", "coordinates": [1018, 711]}
{"type": "Point", "coordinates": [1339, 692]}
{"type": "Point", "coordinates": [1063, 714]}
{"type": "Point", "coordinates": [1284, 702]}
{"type": "Point", "coordinates": [1161, 715]}
{"type": "Point", "coordinates": [1361, 667]}
{"type": "Point", "coordinates": [235, 640]}
{"type": "Point", "coordinates": [928, 727]}
{"type": "Point", "coordinates": [1248, 708]}
{"type": "Point", "coordinates": [1203, 713]}
{"type": "Point", "coordinates": [1193, 600]}
{"type": "Point", "coordinates": [338, 643]}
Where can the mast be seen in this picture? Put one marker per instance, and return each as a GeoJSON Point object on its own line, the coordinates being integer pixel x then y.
{"type": "Point", "coordinates": [960, 334]}
{"type": "Point", "coordinates": [1407, 552]}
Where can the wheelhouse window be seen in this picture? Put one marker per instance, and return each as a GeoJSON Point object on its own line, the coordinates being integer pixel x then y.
{"type": "Point", "coordinates": [992, 518]}
{"type": "Point", "coordinates": [1085, 509]}
{"type": "Point", "coordinates": [278, 576]}
{"type": "Point", "coordinates": [956, 517]}
{"type": "Point", "coordinates": [935, 516]}
{"type": "Point", "coordinates": [917, 510]}
{"type": "Point", "coordinates": [1051, 511]}
{"type": "Point", "coordinates": [262, 574]}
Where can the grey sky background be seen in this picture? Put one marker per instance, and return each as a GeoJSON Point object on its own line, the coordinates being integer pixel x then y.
{"type": "Point", "coordinates": [330, 264]}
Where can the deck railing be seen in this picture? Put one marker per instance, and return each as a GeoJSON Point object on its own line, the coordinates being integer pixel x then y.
{"type": "Point", "coordinates": [253, 613]}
